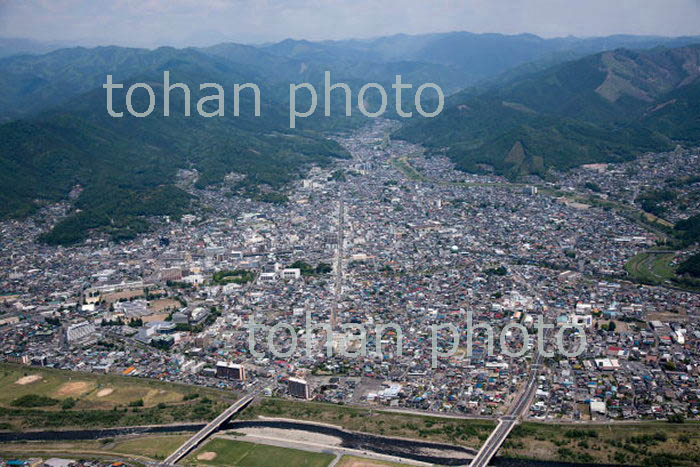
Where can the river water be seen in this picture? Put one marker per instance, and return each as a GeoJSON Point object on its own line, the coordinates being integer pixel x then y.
{"type": "Point", "coordinates": [435, 453]}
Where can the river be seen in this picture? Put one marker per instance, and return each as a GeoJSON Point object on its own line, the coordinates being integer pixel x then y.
{"type": "Point", "coordinates": [410, 449]}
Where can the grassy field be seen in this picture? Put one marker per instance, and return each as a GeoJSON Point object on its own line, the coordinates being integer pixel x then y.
{"type": "Point", "coordinates": [651, 443]}
{"type": "Point", "coordinates": [154, 447]}
{"type": "Point", "coordinates": [470, 433]}
{"type": "Point", "coordinates": [239, 453]}
{"type": "Point", "coordinates": [91, 400]}
{"type": "Point", "coordinates": [410, 172]}
{"type": "Point", "coordinates": [651, 268]}
{"type": "Point", "coordinates": [657, 269]}
{"type": "Point", "coordinates": [139, 449]}
{"type": "Point", "coordinates": [93, 391]}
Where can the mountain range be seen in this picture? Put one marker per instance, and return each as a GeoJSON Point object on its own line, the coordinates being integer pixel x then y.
{"type": "Point", "coordinates": [521, 105]}
{"type": "Point", "coordinates": [608, 106]}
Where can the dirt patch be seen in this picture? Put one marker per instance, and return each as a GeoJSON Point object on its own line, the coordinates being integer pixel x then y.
{"type": "Point", "coordinates": [75, 388]}
{"type": "Point", "coordinates": [206, 456]}
{"type": "Point", "coordinates": [291, 435]}
{"type": "Point", "coordinates": [155, 317]}
{"type": "Point", "coordinates": [163, 304]}
{"type": "Point", "coordinates": [105, 392]}
{"type": "Point", "coordinates": [124, 294]}
{"type": "Point", "coordinates": [666, 317]}
{"type": "Point", "coordinates": [362, 463]}
{"type": "Point", "coordinates": [28, 379]}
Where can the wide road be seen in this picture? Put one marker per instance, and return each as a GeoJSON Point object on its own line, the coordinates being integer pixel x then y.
{"type": "Point", "coordinates": [508, 421]}
{"type": "Point", "coordinates": [339, 264]}
{"type": "Point", "coordinates": [205, 432]}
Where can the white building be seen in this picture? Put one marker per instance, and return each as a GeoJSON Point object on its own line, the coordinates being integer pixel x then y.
{"type": "Point", "coordinates": [582, 320]}
{"type": "Point", "coordinates": [267, 277]}
{"type": "Point", "coordinates": [597, 407]}
{"type": "Point", "coordinates": [79, 331]}
{"type": "Point", "coordinates": [291, 273]}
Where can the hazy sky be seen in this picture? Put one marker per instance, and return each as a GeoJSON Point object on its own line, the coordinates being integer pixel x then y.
{"type": "Point", "coordinates": [200, 22]}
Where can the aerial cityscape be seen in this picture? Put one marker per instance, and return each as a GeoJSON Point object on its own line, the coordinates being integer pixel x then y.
{"type": "Point", "coordinates": [512, 281]}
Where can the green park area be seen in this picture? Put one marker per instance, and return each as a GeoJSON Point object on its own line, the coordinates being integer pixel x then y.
{"type": "Point", "coordinates": [237, 276]}
{"type": "Point", "coordinates": [657, 268]}
{"type": "Point", "coordinates": [651, 268]}
{"type": "Point", "coordinates": [34, 398]}
{"type": "Point", "coordinates": [224, 452]}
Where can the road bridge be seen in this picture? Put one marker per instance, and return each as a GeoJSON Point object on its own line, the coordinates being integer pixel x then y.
{"type": "Point", "coordinates": [207, 431]}
{"type": "Point", "coordinates": [508, 421]}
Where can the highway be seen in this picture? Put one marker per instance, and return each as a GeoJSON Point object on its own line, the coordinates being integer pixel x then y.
{"type": "Point", "coordinates": [205, 432]}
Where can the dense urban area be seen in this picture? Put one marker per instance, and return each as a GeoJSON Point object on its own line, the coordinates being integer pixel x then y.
{"type": "Point", "coordinates": [385, 250]}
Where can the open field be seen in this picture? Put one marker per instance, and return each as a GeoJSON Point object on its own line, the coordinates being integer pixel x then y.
{"type": "Point", "coordinates": [656, 269]}
{"type": "Point", "coordinates": [155, 447]}
{"type": "Point", "coordinates": [652, 268]}
{"type": "Point", "coordinates": [140, 449]}
{"type": "Point", "coordinates": [650, 443]}
{"type": "Point", "coordinates": [239, 453]}
{"type": "Point", "coordinates": [89, 400]}
{"type": "Point", "coordinates": [61, 384]}
{"type": "Point", "coordinates": [470, 433]}
{"type": "Point", "coordinates": [163, 304]}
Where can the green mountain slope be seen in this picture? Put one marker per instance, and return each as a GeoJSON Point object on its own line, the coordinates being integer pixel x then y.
{"type": "Point", "coordinates": [605, 107]}
{"type": "Point", "coordinates": [476, 56]}
{"type": "Point", "coordinates": [33, 83]}
{"type": "Point", "coordinates": [127, 166]}
{"type": "Point", "coordinates": [677, 114]}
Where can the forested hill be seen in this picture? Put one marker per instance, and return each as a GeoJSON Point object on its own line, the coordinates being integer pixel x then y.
{"type": "Point", "coordinates": [454, 60]}
{"type": "Point", "coordinates": [57, 134]}
{"type": "Point", "coordinates": [127, 166]}
{"type": "Point", "coordinates": [605, 107]}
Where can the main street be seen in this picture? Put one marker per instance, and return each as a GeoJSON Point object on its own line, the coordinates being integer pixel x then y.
{"type": "Point", "coordinates": [508, 421]}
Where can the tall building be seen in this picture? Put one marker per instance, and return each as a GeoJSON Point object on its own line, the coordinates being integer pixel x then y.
{"type": "Point", "coordinates": [298, 388]}
{"type": "Point", "coordinates": [230, 371]}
